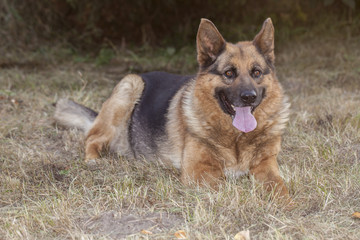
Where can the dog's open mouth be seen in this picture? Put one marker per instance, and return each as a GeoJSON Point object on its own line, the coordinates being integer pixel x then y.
{"type": "Point", "coordinates": [226, 104]}
{"type": "Point", "coordinates": [242, 117]}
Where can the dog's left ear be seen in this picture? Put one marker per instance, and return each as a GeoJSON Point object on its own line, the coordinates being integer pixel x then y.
{"type": "Point", "coordinates": [209, 43]}
{"type": "Point", "coordinates": [264, 41]}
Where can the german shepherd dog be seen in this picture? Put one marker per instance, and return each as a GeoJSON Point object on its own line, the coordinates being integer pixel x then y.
{"type": "Point", "coordinates": [227, 120]}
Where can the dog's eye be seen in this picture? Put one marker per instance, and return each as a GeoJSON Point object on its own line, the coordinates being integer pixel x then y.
{"type": "Point", "coordinates": [256, 73]}
{"type": "Point", "coordinates": [229, 74]}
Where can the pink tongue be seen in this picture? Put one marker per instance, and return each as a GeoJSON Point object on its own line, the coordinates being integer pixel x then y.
{"type": "Point", "coordinates": [244, 120]}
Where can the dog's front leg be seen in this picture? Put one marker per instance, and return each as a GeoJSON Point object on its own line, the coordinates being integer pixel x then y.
{"type": "Point", "coordinates": [267, 171]}
{"type": "Point", "coordinates": [200, 166]}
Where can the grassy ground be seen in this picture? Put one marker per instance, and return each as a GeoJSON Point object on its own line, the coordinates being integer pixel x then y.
{"type": "Point", "coordinates": [46, 191]}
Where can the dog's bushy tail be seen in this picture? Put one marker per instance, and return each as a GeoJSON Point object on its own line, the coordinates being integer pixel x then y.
{"type": "Point", "coordinates": [71, 114]}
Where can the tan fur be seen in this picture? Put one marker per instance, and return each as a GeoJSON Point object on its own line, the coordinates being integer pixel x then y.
{"type": "Point", "coordinates": [111, 125]}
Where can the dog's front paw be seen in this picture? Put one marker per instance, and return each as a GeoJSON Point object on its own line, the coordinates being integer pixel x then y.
{"type": "Point", "coordinates": [92, 164]}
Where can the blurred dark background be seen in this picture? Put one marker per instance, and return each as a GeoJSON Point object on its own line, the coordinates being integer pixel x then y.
{"type": "Point", "coordinates": [90, 24]}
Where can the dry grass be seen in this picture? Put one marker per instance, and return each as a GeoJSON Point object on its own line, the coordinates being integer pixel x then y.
{"type": "Point", "coordinates": [46, 192]}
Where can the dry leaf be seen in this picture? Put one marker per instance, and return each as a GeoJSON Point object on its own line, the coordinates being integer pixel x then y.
{"type": "Point", "coordinates": [16, 102]}
{"type": "Point", "coordinates": [243, 235]}
{"type": "Point", "coordinates": [181, 234]}
{"type": "Point", "coordinates": [146, 232]}
{"type": "Point", "coordinates": [356, 215]}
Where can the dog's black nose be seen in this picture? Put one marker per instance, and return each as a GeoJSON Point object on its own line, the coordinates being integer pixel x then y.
{"type": "Point", "coordinates": [248, 96]}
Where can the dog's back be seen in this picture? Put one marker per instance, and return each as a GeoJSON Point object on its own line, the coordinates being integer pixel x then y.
{"type": "Point", "coordinates": [148, 120]}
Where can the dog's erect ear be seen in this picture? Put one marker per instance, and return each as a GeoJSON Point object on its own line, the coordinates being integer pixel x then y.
{"type": "Point", "coordinates": [209, 43]}
{"type": "Point", "coordinates": [264, 41]}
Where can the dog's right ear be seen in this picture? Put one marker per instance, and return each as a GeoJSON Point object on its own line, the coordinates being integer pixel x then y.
{"type": "Point", "coordinates": [209, 43]}
{"type": "Point", "coordinates": [264, 40]}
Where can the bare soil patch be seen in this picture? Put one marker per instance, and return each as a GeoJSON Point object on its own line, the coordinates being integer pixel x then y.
{"type": "Point", "coordinates": [120, 225]}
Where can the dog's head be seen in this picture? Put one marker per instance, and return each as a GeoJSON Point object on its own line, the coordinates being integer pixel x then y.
{"type": "Point", "coordinates": [241, 73]}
